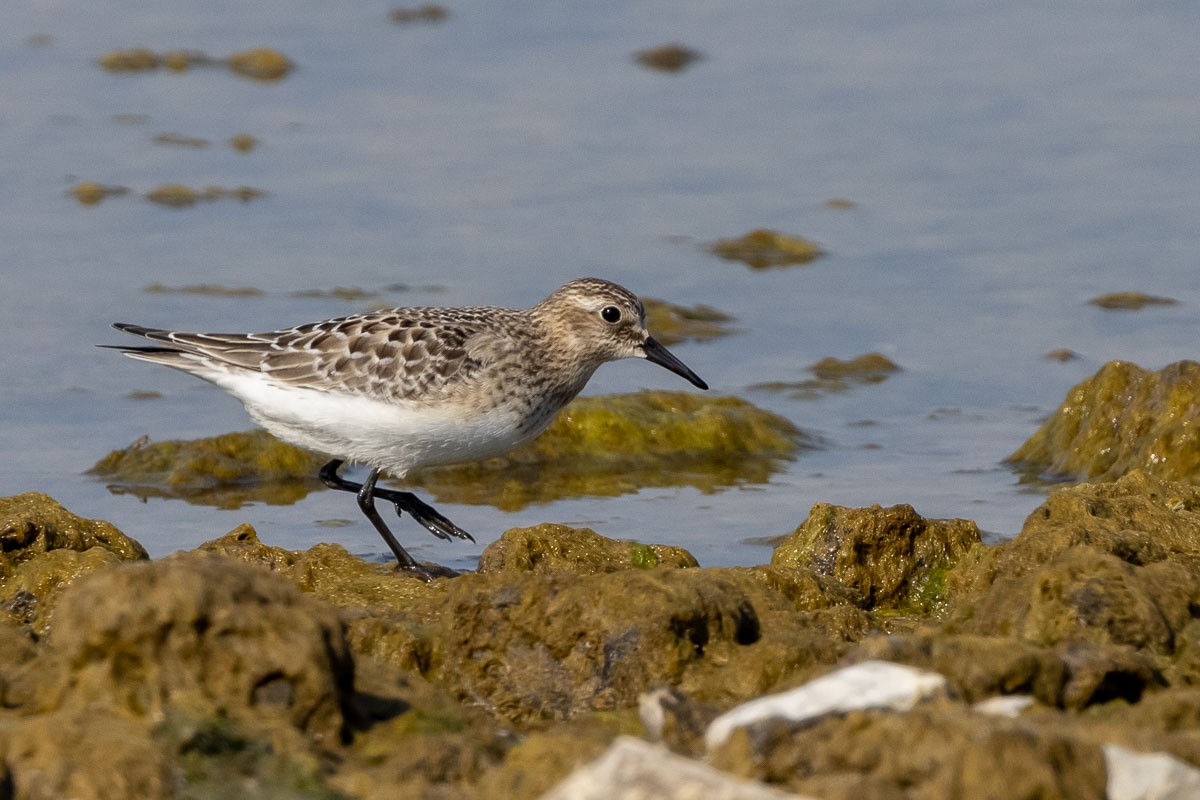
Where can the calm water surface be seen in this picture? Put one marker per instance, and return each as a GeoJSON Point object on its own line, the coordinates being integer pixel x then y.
{"type": "Point", "coordinates": [1006, 164]}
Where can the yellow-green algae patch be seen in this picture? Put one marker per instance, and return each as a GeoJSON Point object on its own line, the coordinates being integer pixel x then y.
{"type": "Point", "coordinates": [262, 63]}
{"type": "Point", "coordinates": [225, 471]}
{"type": "Point", "coordinates": [1120, 419]}
{"type": "Point", "coordinates": [835, 375]}
{"type": "Point", "coordinates": [1130, 301]}
{"type": "Point", "coordinates": [90, 193]}
{"type": "Point", "coordinates": [762, 248]}
{"type": "Point", "coordinates": [606, 446]}
{"type": "Point", "coordinates": [672, 324]}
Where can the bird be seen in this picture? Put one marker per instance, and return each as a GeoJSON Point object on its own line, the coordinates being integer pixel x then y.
{"type": "Point", "coordinates": [405, 388]}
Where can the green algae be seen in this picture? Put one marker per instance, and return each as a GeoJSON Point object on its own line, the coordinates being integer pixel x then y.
{"type": "Point", "coordinates": [226, 471]}
{"type": "Point", "coordinates": [762, 248]}
{"type": "Point", "coordinates": [1120, 419]}
{"type": "Point", "coordinates": [613, 445]}
{"type": "Point", "coordinates": [673, 323]}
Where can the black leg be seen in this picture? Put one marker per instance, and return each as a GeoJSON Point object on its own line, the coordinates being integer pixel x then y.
{"type": "Point", "coordinates": [422, 512]}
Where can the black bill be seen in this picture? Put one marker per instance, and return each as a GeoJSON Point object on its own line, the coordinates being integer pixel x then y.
{"type": "Point", "coordinates": [660, 355]}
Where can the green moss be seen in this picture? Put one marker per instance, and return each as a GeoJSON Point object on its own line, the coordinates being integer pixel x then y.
{"type": "Point", "coordinates": [642, 556]}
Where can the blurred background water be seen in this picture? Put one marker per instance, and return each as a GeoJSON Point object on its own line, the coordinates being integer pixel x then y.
{"type": "Point", "coordinates": [1006, 164]}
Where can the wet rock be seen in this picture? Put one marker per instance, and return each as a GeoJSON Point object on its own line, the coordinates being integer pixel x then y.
{"type": "Point", "coordinates": [597, 446]}
{"type": "Point", "coordinates": [226, 471]}
{"type": "Point", "coordinates": [548, 548]}
{"type": "Point", "coordinates": [762, 248]}
{"type": "Point", "coordinates": [1130, 301]}
{"type": "Point", "coordinates": [243, 142]}
{"type": "Point", "coordinates": [33, 523]}
{"type": "Point", "coordinates": [673, 323]}
{"type": "Point", "coordinates": [90, 193]}
{"type": "Point", "coordinates": [1120, 419]}
{"type": "Point", "coordinates": [429, 12]}
{"type": "Point", "coordinates": [617, 444]}
{"type": "Point", "coordinates": [868, 684]}
{"type": "Point", "coordinates": [632, 769]}
{"type": "Point", "coordinates": [892, 557]}
{"type": "Point", "coordinates": [835, 375]}
{"type": "Point", "coordinates": [667, 58]}
{"type": "Point", "coordinates": [205, 633]}
{"type": "Point", "coordinates": [261, 63]}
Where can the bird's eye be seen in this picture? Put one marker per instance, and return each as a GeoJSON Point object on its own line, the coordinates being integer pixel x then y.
{"type": "Point", "coordinates": [610, 314]}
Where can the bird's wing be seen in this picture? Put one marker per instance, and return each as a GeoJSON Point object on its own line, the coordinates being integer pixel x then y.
{"type": "Point", "coordinates": [403, 354]}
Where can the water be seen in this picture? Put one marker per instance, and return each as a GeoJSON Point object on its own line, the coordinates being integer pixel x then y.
{"type": "Point", "coordinates": [1008, 164]}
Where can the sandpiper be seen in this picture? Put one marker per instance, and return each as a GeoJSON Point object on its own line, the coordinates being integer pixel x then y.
{"type": "Point", "coordinates": [406, 388]}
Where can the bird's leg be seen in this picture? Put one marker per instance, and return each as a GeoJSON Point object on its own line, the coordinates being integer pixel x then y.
{"type": "Point", "coordinates": [419, 510]}
{"type": "Point", "coordinates": [366, 501]}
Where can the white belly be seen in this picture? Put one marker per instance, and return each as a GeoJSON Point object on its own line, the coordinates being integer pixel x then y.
{"type": "Point", "coordinates": [394, 437]}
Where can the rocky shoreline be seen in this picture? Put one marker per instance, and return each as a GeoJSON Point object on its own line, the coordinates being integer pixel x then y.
{"type": "Point", "coordinates": [1063, 663]}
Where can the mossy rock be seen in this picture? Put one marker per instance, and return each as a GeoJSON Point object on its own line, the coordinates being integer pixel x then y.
{"type": "Point", "coordinates": [1120, 419]}
{"type": "Point", "coordinates": [672, 324]}
{"type": "Point", "coordinates": [32, 524]}
{"type": "Point", "coordinates": [893, 557]}
{"type": "Point", "coordinates": [617, 444]}
{"type": "Point", "coordinates": [551, 548]}
{"type": "Point", "coordinates": [762, 248]}
{"type": "Point", "coordinates": [226, 471]}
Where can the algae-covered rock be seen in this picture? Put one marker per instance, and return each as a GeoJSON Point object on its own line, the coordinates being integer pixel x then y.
{"type": "Point", "coordinates": [622, 443]}
{"type": "Point", "coordinates": [667, 57]}
{"type": "Point", "coordinates": [532, 646]}
{"type": "Point", "coordinates": [1130, 301]}
{"type": "Point", "coordinates": [1120, 419]}
{"type": "Point", "coordinates": [762, 248]}
{"type": "Point", "coordinates": [937, 750]}
{"type": "Point", "coordinates": [201, 631]}
{"type": "Point", "coordinates": [891, 556]}
{"type": "Point", "coordinates": [226, 471]}
{"type": "Point", "coordinates": [551, 548]}
{"type": "Point", "coordinates": [33, 523]}
{"type": "Point", "coordinates": [673, 323]}
{"type": "Point", "coordinates": [84, 753]}
{"type": "Point", "coordinates": [597, 446]}
{"type": "Point", "coordinates": [835, 375]}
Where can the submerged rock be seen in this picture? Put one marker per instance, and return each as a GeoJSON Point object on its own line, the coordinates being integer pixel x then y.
{"type": "Point", "coordinates": [835, 375]}
{"type": "Point", "coordinates": [673, 323]}
{"type": "Point", "coordinates": [762, 248]}
{"type": "Point", "coordinates": [667, 57]}
{"type": "Point", "coordinates": [226, 471]}
{"type": "Point", "coordinates": [1122, 418]}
